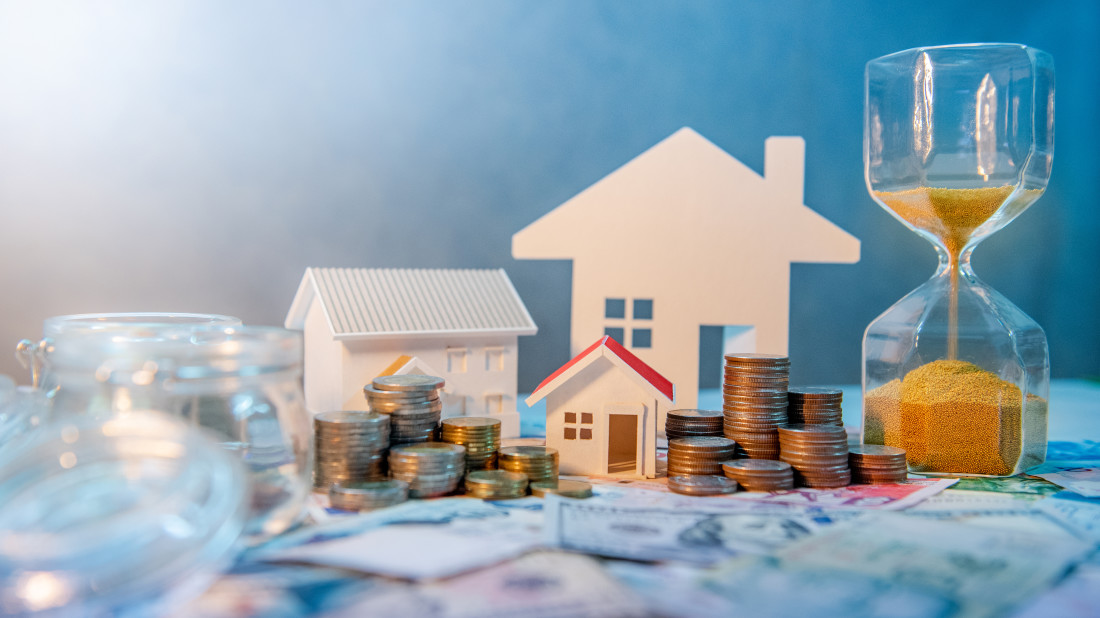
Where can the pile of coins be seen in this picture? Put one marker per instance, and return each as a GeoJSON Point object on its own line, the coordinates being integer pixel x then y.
{"type": "Point", "coordinates": [702, 485]}
{"type": "Point", "coordinates": [349, 446]}
{"type": "Point", "coordinates": [873, 464]}
{"type": "Point", "coordinates": [539, 463]}
{"type": "Point", "coordinates": [699, 455]}
{"type": "Point", "coordinates": [431, 469]}
{"type": "Point", "coordinates": [818, 454]}
{"type": "Point", "coordinates": [496, 484]}
{"type": "Point", "coordinates": [368, 495]}
{"type": "Point", "coordinates": [760, 474]}
{"type": "Point", "coordinates": [480, 436]}
{"type": "Point", "coordinates": [412, 401]}
{"type": "Point", "coordinates": [754, 396]}
{"type": "Point", "coordinates": [814, 405]}
{"type": "Point", "coordinates": [565, 488]}
{"type": "Point", "coordinates": [690, 423]}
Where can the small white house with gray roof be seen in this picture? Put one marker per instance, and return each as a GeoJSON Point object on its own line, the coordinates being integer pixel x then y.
{"type": "Point", "coordinates": [360, 323]}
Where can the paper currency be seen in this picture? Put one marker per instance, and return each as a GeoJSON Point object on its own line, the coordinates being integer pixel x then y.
{"type": "Point", "coordinates": [984, 572]}
{"type": "Point", "coordinates": [885, 497]}
{"type": "Point", "coordinates": [697, 534]}
{"type": "Point", "coordinates": [1078, 596]}
{"type": "Point", "coordinates": [539, 585]}
{"type": "Point", "coordinates": [1075, 512]}
{"type": "Point", "coordinates": [1024, 486]}
{"type": "Point", "coordinates": [418, 540]}
{"type": "Point", "coordinates": [1081, 480]}
{"type": "Point", "coordinates": [990, 510]}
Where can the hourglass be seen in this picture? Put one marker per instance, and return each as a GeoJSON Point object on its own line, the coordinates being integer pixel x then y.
{"type": "Point", "coordinates": [958, 141]}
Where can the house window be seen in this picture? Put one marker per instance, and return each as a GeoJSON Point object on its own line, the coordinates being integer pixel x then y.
{"type": "Point", "coordinates": [494, 403]}
{"type": "Point", "coordinates": [494, 359]}
{"type": "Point", "coordinates": [643, 309]}
{"type": "Point", "coordinates": [456, 360]}
{"type": "Point", "coordinates": [583, 428]}
{"type": "Point", "coordinates": [618, 334]}
{"type": "Point", "coordinates": [641, 338]}
{"type": "Point", "coordinates": [614, 308]}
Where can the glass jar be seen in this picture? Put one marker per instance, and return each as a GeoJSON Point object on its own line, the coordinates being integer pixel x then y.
{"type": "Point", "coordinates": [958, 141]}
{"type": "Point", "coordinates": [242, 383]}
{"type": "Point", "coordinates": [128, 516]}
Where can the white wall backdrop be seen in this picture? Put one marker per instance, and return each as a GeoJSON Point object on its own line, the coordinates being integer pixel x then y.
{"type": "Point", "coordinates": [198, 155]}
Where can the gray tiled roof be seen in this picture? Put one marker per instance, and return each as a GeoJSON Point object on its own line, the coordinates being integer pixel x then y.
{"type": "Point", "coordinates": [391, 301]}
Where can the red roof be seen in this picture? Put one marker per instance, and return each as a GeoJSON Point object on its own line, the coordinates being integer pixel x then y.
{"type": "Point", "coordinates": [657, 380]}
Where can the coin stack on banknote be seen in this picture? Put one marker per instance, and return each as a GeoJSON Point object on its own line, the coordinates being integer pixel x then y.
{"type": "Point", "coordinates": [696, 485]}
{"type": "Point", "coordinates": [413, 403]}
{"type": "Point", "coordinates": [872, 464]}
{"type": "Point", "coordinates": [480, 436]}
{"type": "Point", "coordinates": [690, 423]}
{"type": "Point", "coordinates": [814, 405]}
{"type": "Point", "coordinates": [563, 487]}
{"type": "Point", "coordinates": [496, 484]}
{"type": "Point", "coordinates": [368, 495]}
{"type": "Point", "coordinates": [754, 396]}
{"type": "Point", "coordinates": [760, 474]}
{"type": "Point", "coordinates": [699, 455]}
{"type": "Point", "coordinates": [818, 454]}
{"type": "Point", "coordinates": [539, 463]}
{"type": "Point", "coordinates": [349, 446]}
{"type": "Point", "coordinates": [431, 469]}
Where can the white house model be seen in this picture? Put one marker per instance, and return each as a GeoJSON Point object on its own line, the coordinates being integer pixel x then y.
{"type": "Point", "coordinates": [460, 324]}
{"type": "Point", "coordinates": [601, 412]}
{"type": "Point", "coordinates": [685, 236]}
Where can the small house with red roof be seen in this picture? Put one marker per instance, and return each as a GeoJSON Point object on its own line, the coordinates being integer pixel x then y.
{"type": "Point", "coordinates": [601, 412]}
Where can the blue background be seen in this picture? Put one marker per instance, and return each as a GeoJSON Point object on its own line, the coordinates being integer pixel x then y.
{"type": "Point", "coordinates": [198, 156]}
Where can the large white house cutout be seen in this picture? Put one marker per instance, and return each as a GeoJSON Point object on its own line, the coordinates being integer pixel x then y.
{"type": "Point", "coordinates": [685, 236]}
{"type": "Point", "coordinates": [601, 412]}
{"type": "Point", "coordinates": [459, 324]}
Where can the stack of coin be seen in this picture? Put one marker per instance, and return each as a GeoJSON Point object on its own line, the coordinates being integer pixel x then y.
{"type": "Point", "coordinates": [818, 454]}
{"type": "Point", "coordinates": [813, 405]}
{"type": "Point", "coordinates": [702, 485]}
{"type": "Point", "coordinates": [369, 495]}
{"type": "Point", "coordinates": [413, 403]}
{"type": "Point", "coordinates": [760, 474]}
{"type": "Point", "coordinates": [689, 423]}
{"type": "Point", "coordinates": [480, 436]}
{"type": "Point", "coordinates": [349, 446]}
{"type": "Point", "coordinates": [699, 455]}
{"type": "Point", "coordinates": [430, 469]}
{"type": "Point", "coordinates": [754, 397]}
{"type": "Point", "coordinates": [566, 488]}
{"type": "Point", "coordinates": [873, 464]}
{"type": "Point", "coordinates": [496, 484]}
{"type": "Point", "coordinates": [539, 463]}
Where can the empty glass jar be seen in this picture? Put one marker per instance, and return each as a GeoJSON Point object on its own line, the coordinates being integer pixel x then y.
{"type": "Point", "coordinates": [242, 382]}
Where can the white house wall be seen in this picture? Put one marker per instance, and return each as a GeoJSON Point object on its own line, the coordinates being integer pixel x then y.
{"type": "Point", "coordinates": [366, 359]}
{"type": "Point", "coordinates": [596, 385]}
{"type": "Point", "coordinates": [323, 357]}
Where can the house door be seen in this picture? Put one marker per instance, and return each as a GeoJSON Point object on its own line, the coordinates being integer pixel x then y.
{"type": "Point", "coordinates": [624, 438]}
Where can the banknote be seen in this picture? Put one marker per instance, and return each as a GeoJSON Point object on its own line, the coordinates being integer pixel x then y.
{"type": "Point", "coordinates": [698, 534]}
{"type": "Point", "coordinates": [1026, 486]}
{"type": "Point", "coordinates": [990, 510]}
{"type": "Point", "coordinates": [1078, 596]}
{"type": "Point", "coordinates": [1079, 479]}
{"type": "Point", "coordinates": [983, 571]}
{"type": "Point", "coordinates": [1076, 512]}
{"type": "Point", "coordinates": [539, 585]}
{"type": "Point", "coordinates": [1073, 451]}
{"type": "Point", "coordinates": [893, 496]}
{"type": "Point", "coordinates": [281, 591]}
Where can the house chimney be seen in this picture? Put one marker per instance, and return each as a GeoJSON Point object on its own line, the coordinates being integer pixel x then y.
{"type": "Point", "coordinates": [784, 164]}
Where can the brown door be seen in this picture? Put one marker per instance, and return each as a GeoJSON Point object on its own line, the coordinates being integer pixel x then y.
{"type": "Point", "coordinates": [622, 443]}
